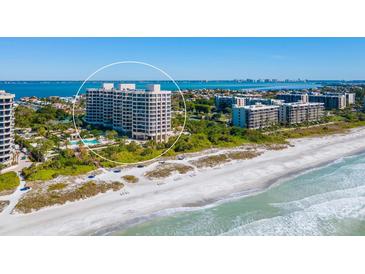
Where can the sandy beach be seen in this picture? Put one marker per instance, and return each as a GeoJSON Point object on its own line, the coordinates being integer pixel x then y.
{"type": "Point", "coordinates": [99, 214]}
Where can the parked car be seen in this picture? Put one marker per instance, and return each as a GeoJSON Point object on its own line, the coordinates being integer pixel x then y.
{"type": "Point", "coordinates": [140, 166]}
{"type": "Point", "coordinates": [91, 176]}
{"type": "Point", "coordinates": [25, 188]}
{"type": "Point", "coordinates": [116, 170]}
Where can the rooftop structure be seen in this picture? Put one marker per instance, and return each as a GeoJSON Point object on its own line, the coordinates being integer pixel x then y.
{"type": "Point", "coordinates": [293, 97]}
{"type": "Point", "coordinates": [263, 101]}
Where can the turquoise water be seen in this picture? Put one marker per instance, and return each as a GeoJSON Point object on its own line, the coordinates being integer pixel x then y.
{"type": "Point", "coordinates": [87, 142]}
{"type": "Point", "coordinates": [70, 88]}
{"type": "Point", "coordinates": [326, 201]}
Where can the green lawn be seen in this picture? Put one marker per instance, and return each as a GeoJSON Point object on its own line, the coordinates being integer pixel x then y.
{"type": "Point", "coordinates": [9, 181]}
{"type": "Point", "coordinates": [48, 174]}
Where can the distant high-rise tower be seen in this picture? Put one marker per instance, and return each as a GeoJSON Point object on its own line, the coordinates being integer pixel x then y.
{"type": "Point", "coordinates": [6, 127]}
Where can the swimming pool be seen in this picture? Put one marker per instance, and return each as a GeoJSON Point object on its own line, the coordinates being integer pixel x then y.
{"type": "Point", "coordinates": [91, 142]}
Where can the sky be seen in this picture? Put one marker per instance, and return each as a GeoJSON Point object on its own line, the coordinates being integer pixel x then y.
{"type": "Point", "coordinates": [183, 58]}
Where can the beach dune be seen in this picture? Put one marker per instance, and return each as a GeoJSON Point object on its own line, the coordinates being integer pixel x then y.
{"type": "Point", "coordinates": [100, 214]}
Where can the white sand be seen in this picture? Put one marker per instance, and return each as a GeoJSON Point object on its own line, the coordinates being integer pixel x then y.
{"type": "Point", "coordinates": [199, 187]}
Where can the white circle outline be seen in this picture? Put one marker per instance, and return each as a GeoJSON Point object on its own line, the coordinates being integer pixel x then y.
{"type": "Point", "coordinates": [128, 62]}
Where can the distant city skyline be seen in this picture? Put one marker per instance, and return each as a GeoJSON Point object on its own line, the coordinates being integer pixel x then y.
{"type": "Point", "coordinates": [63, 59]}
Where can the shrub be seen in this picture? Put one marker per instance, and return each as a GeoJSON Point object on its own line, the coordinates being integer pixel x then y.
{"type": "Point", "coordinates": [130, 179]}
{"type": "Point", "coordinates": [57, 186]}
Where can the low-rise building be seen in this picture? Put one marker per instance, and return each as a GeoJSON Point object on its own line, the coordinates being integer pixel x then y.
{"type": "Point", "coordinates": [255, 116]}
{"type": "Point", "coordinates": [297, 113]}
{"type": "Point", "coordinates": [221, 102]}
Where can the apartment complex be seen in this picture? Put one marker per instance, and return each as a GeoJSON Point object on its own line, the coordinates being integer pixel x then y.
{"type": "Point", "coordinates": [293, 97]}
{"type": "Point", "coordinates": [255, 116]}
{"type": "Point", "coordinates": [349, 97]}
{"type": "Point", "coordinates": [6, 127]}
{"type": "Point", "coordinates": [264, 101]}
{"type": "Point", "coordinates": [142, 114]}
{"type": "Point", "coordinates": [297, 113]}
{"type": "Point", "coordinates": [221, 102]}
{"type": "Point", "coordinates": [330, 101]}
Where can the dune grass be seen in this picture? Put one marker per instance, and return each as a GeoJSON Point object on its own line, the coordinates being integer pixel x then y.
{"type": "Point", "coordinates": [211, 161]}
{"type": "Point", "coordinates": [166, 170]}
{"type": "Point", "coordinates": [57, 186]}
{"type": "Point", "coordinates": [36, 201]}
{"type": "Point", "coordinates": [130, 179]}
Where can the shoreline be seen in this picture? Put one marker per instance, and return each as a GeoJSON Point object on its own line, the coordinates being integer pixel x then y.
{"type": "Point", "coordinates": [217, 201]}
{"type": "Point", "coordinates": [106, 213]}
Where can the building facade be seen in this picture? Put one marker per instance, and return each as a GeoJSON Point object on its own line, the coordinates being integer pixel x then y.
{"type": "Point", "coordinates": [263, 101]}
{"type": "Point", "coordinates": [297, 113]}
{"type": "Point", "coordinates": [330, 101]}
{"type": "Point", "coordinates": [293, 97]}
{"type": "Point", "coordinates": [350, 98]}
{"type": "Point", "coordinates": [255, 116]}
{"type": "Point", "coordinates": [221, 102]}
{"type": "Point", "coordinates": [142, 114]}
{"type": "Point", "coordinates": [6, 127]}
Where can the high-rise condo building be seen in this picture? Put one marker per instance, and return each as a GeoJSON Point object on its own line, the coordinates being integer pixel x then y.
{"type": "Point", "coordinates": [142, 114]}
{"type": "Point", "coordinates": [297, 113]}
{"type": "Point", "coordinates": [255, 116]}
{"type": "Point", "coordinates": [6, 127]}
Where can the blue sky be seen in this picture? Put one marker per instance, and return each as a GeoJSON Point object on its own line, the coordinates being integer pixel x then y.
{"type": "Point", "coordinates": [183, 58]}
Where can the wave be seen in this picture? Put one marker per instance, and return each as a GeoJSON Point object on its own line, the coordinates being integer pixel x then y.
{"type": "Point", "coordinates": [314, 215]}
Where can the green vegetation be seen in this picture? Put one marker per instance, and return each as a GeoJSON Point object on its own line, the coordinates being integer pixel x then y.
{"type": "Point", "coordinates": [204, 129]}
{"type": "Point", "coordinates": [42, 120]}
{"type": "Point", "coordinates": [37, 201]}
{"type": "Point", "coordinates": [207, 134]}
{"type": "Point", "coordinates": [166, 170]}
{"type": "Point", "coordinates": [130, 179]}
{"type": "Point", "coordinates": [66, 163]}
{"type": "Point", "coordinates": [9, 181]}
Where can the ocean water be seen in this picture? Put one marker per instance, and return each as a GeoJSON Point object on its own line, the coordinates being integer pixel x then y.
{"type": "Point", "coordinates": [326, 201]}
{"type": "Point", "coordinates": [70, 88]}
